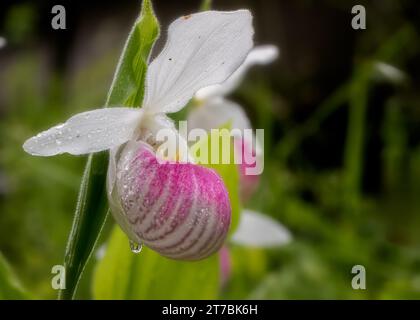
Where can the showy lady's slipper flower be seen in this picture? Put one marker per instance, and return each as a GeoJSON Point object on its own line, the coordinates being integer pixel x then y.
{"type": "Point", "coordinates": [214, 110]}
{"type": "Point", "coordinates": [181, 210]}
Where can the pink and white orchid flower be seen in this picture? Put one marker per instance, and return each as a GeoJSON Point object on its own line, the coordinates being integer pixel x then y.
{"type": "Point", "coordinates": [181, 210]}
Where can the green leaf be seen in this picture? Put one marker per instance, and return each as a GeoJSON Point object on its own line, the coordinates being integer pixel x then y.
{"type": "Point", "coordinates": [10, 287]}
{"type": "Point", "coordinates": [122, 274]}
{"type": "Point", "coordinates": [128, 85]}
{"type": "Point", "coordinates": [127, 89]}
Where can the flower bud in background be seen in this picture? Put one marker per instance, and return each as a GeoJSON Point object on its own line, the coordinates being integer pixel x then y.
{"type": "Point", "coordinates": [3, 42]}
{"type": "Point", "coordinates": [387, 72]}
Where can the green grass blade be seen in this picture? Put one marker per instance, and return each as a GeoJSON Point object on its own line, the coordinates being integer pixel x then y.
{"type": "Point", "coordinates": [127, 89]}
{"type": "Point", "coordinates": [355, 141]}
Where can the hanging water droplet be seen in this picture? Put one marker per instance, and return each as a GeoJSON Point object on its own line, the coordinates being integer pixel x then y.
{"type": "Point", "coordinates": [135, 247]}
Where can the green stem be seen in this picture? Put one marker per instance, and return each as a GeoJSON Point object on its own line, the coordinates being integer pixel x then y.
{"type": "Point", "coordinates": [92, 202]}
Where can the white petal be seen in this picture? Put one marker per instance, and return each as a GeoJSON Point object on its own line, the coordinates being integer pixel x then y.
{"type": "Point", "coordinates": [259, 230]}
{"type": "Point", "coordinates": [202, 49]}
{"type": "Point", "coordinates": [260, 55]}
{"type": "Point", "coordinates": [217, 112]}
{"type": "Point", "coordinates": [86, 132]}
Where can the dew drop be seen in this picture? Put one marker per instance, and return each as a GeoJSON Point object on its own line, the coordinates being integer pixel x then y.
{"type": "Point", "coordinates": [135, 247]}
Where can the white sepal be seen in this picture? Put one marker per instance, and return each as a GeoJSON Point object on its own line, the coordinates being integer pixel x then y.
{"type": "Point", "coordinates": [86, 132]}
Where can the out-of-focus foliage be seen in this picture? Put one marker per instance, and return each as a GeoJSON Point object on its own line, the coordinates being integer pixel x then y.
{"type": "Point", "coordinates": [342, 150]}
{"type": "Point", "coordinates": [10, 287]}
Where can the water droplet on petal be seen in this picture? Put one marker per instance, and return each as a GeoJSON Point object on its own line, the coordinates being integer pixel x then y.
{"type": "Point", "coordinates": [135, 247]}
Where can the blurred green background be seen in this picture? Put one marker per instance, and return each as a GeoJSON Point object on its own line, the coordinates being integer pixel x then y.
{"type": "Point", "coordinates": [342, 141]}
